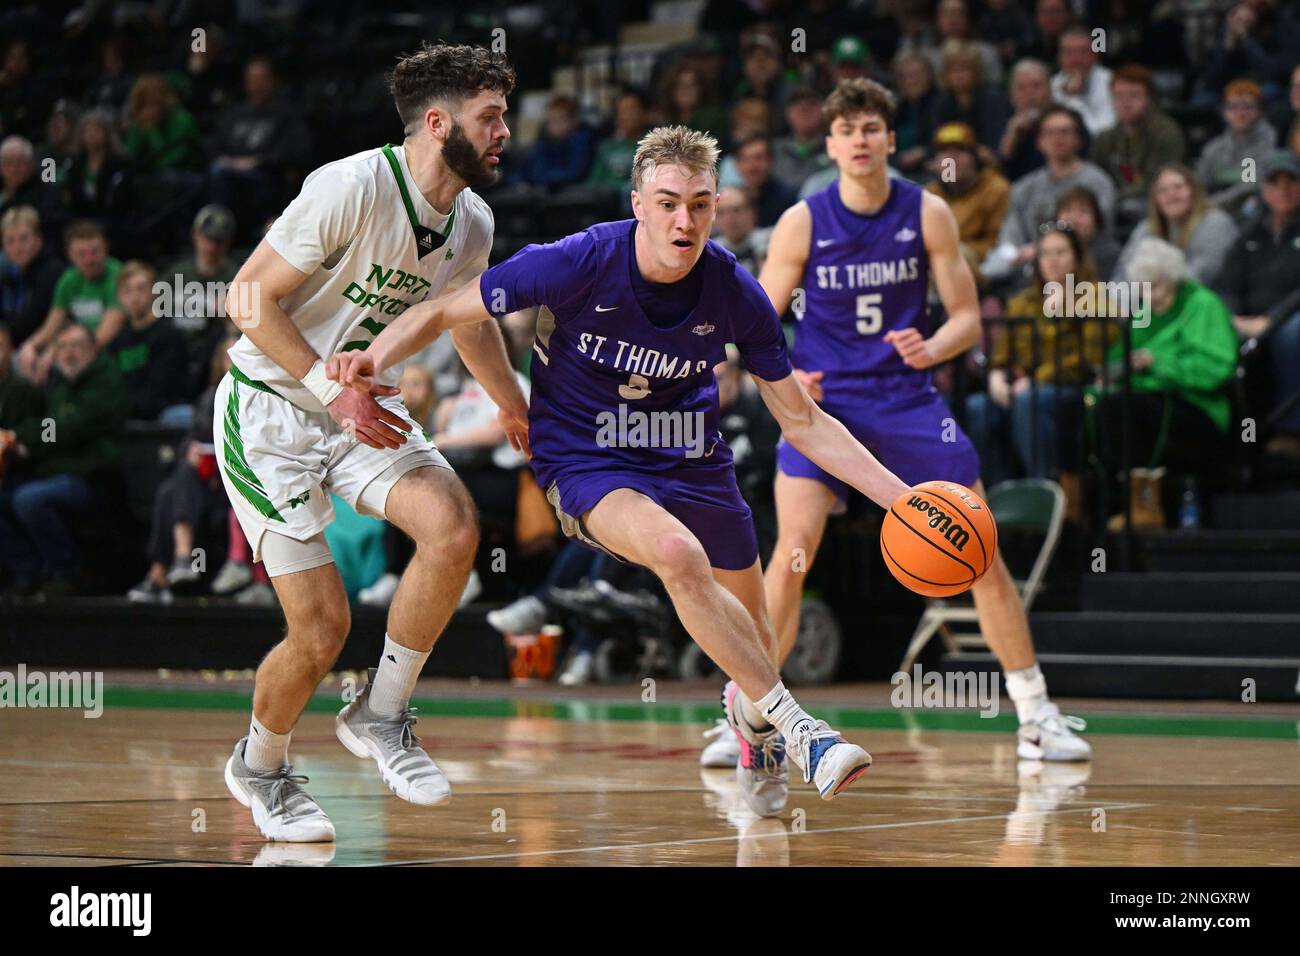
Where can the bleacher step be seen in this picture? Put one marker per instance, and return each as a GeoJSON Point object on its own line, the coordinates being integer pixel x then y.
{"type": "Point", "coordinates": [1257, 511]}
{"type": "Point", "coordinates": [1188, 591]}
{"type": "Point", "coordinates": [1220, 550]}
{"type": "Point", "coordinates": [1101, 675]}
{"type": "Point", "coordinates": [1167, 634]}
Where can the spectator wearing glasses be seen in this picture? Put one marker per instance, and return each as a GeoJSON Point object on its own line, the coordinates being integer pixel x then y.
{"type": "Point", "coordinates": [1034, 197]}
{"type": "Point", "coordinates": [1248, 138]}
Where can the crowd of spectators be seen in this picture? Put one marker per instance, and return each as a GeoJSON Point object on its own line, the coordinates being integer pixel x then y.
{"type": "Point", "coordinates": [1160, 146]}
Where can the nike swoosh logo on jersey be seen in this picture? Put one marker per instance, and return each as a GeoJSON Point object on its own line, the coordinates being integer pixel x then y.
{"type": "Point", "coordinates": [607, 308]}
{"type": "Point", "coordinates": [904, 235]}
{"type": "Point", "coordinates": [823, 243]}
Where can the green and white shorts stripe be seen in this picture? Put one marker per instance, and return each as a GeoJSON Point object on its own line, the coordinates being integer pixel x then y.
{"type": "Point", "coordinates": [280, 464]}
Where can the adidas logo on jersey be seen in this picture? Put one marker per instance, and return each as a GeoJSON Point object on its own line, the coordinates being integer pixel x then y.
{"type": "Point", "coordinates": [904, 235]}
{"type": "Point", "coordinates": [704, 329]}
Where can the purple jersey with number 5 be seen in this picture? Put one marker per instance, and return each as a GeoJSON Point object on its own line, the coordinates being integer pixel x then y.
{"type": "Point", "coordinates": [599, 363]}
{"type": "Point", "coordinates": [866, 275]}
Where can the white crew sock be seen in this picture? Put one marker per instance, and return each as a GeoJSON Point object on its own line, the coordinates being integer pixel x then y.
{"type": "Point", "coordinates": [265, 751]}
{"type": "Point", "coordinates": [399, 669]}
{"type": "Point", "coordinates": [779, 706]}
{"type": "Point", "coordinates": [1027, 689]}
{"type": "Point", "coordinates": [751, 715]}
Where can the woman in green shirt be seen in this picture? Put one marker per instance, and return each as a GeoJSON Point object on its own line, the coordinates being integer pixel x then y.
{"type": "Point", "coordinates": [1183, 355]}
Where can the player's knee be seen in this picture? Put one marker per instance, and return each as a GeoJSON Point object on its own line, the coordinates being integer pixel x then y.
{"type": "Point", "coordinates": [678, 557]}
{"type": "Point", "coordinates": [324, 635]}
{"type": "Point", "coordinates": [451, 525]}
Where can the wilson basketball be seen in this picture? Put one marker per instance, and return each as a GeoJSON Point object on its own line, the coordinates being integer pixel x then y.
{"type": "Point", "coordinates": [939, 538]}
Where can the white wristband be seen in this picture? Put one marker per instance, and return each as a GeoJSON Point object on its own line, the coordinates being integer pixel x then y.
{"type": "Point", "coordinates": [320, 386]}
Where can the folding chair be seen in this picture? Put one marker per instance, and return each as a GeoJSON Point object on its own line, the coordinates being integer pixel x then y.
{"type": "Point", "coordinates": [1033, 505]}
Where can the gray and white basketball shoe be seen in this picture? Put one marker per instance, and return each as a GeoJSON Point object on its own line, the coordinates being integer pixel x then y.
{"type": "Point", "coordinates": [391, 742]}
{"type": "Point", "coordinates": [282, 809]}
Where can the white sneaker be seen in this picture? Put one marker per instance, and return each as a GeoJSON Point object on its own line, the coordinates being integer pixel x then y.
{"type": "Point", "coordinates": [579, 670]}
{"type": "Point", "coordinates": [723, 750]}
{"type": "Point", "coordinates": [829, 762]}
{"type": "Point", "coordinates": [260, 594]}
{"type": "Point", "coordinates": [282, 809]}
{"type": "Point", "coordinates": [761, 773]}
{"type": "Point", "coordinates": [380, 594]}
{"type": "Point", "coordinates": [1050, 735]}
{"type": "Point", "coordinates": [391, 742]}
{"type": "Point", "coordinates": [525, 616]}
{"type": "Point", "coordinates": [232, 577]}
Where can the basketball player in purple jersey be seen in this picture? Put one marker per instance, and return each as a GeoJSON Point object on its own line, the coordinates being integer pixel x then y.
{"type": "Point", "coordinates": [623, 426]}
{"type": "Point", "coordinates": [863, 250]}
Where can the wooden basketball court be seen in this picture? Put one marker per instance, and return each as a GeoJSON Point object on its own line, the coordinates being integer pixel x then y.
{"type": "Point", "coordinates": [599, 777]}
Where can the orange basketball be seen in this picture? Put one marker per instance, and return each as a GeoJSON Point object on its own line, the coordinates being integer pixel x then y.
{"type": "Point", "coordinates": [939, 538]}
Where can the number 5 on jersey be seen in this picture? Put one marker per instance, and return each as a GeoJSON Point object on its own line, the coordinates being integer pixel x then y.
{"type": "Point", "coordinates": [870, 318]}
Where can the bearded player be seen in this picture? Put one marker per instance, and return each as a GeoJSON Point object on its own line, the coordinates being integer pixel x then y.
{"type": "Point", "coordinates": [864, 249]}
{"type": "Point", "coordinates": [367, 238]}
{"type": "Point", "coordinates": [634, 316]}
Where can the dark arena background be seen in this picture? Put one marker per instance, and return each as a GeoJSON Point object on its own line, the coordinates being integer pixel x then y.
{"type": "Point", "coordinates": [1125, 182]}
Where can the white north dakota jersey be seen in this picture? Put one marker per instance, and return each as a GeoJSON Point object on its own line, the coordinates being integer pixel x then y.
{"type": "Point", "coordinates": [352, 231]}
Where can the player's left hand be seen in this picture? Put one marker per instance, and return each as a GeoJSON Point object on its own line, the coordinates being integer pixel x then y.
{"type": "Point", "coordinates": [515, 423]}
{"type": "Point", "coordinates": [914, 348]}
{"type": "Point", "coordinates": [352, 370]}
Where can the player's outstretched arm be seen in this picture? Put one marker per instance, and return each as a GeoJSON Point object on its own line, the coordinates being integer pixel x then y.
{"type": "Point", "coordinates": [407, 334]}
{"type": "Point", "coordinates": [253, 304]}
{"type": "Point", "coordinates": [827, 442]}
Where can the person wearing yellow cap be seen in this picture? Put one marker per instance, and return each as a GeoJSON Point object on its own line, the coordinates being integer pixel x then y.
{"type": "Point", "coordinates": [976, 192]}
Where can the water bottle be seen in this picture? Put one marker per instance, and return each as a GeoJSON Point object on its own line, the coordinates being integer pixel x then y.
{"type": "Point", "coordinates": [1189, 513]}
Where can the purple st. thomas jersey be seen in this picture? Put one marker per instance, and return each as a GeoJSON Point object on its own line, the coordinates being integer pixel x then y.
{"type": "Point", "coordinates": [865, 276]}
{"type": "Point", "coordinates": [598, 360]}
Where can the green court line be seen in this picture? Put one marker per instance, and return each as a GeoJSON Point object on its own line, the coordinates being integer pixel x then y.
{"type": "Point", "coordinates": [849, 718]}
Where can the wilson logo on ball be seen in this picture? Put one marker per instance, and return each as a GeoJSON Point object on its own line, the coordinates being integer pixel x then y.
{"type": "Point", "coordinates": [953, 533]}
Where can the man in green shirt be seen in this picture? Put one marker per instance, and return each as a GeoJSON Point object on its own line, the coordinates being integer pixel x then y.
{"type": "Point", "coordinates": [86, 293]}
{"type": "Point", "coordinates": [68, 449]}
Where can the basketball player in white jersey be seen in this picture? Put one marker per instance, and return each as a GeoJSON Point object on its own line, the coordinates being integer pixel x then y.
{"type": "Point", "coordinates": [367, 237]}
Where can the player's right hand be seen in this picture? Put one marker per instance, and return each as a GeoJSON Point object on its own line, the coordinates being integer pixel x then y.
{"type": "Point", "coordinates": [373, 424]}
{"type": "Point", "coordinates": [811, 382]}
{"type": "Point", "coordinates": [353, 370]}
